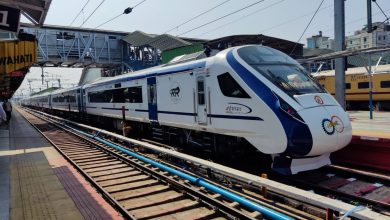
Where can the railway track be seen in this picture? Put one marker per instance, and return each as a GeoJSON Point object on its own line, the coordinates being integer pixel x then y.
{"type": "Point", "coordinates": [219, 207]}
{"type": "Point", "coordinates": [348, 184]}
{"type": "Point", "coordinates": [139, 190]}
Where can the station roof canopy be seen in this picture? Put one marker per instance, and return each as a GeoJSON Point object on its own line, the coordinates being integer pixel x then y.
{"type": "Point", "coordinates": [33, 10]}
{"type": "Point", "coordinates": [138, 38]}
{"type": "Point", "coordinates": [166, 42]}
{"type": "Point", "coordinates": [162, 42]}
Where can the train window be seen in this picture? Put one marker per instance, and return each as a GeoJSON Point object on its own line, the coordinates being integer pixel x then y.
{"type": "Point", "coordinates": [135, 94]}
{"type": "Point", "coordinates": [72, 98]}
{"type": "Point", "coordinates": [363, 85]}
{"type": "Point", "coordinates": [280, 69]}
{"type": "Point", "coordinates": [152, 94]}
{"type": "Point", "coordinates": [201, 94]}
{"type": "Point", "coordinates": [347, 85]}
{"type": "Point", "coordinates": [385, 84]}
{"type": "Point", "coordinates": [61, 98]}
{"type": "Point", "coordinates": [290, 78]}
{"type": "Point", "coordinates": [259, 54]}
{"type": "Point", "coordinates": [118, 95]}
{"type": "Point", "coordinates": [101, 96]}
{"type": "Point", "coordinates": [230, 88]}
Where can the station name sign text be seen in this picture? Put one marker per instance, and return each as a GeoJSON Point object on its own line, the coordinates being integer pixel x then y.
{"type": "Point", "coordinates": [9, 18]}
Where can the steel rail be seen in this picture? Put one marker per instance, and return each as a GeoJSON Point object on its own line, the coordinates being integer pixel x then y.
{"type": "Point", "coordinates": [100, 189]}
{"type": "Point", "coordinates": [267, 212]}
{"type": "Point", "coordinates": [362, 174]}
{"type": "Point", "coordinates": [251, 180]}
{"type": "Point", "coordinates": [200, 196]}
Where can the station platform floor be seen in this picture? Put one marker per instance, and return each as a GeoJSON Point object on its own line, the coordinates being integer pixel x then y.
{"type": "Point", "coordinates": [370, 144]}
{"type": "Point", "coordinates": [36, 182]}
{"type": "Point", "coordinates": [363, 126]}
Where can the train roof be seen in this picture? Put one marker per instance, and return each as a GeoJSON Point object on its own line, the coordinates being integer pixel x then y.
{"type": "Point", "coordinates": [65, 90]}
{"type": "Point", "coordinates": [157, 70]}
{"type": "Point", "coordinates": [356, 70]}
{"type": "Point", "coordinates": [170, 68]}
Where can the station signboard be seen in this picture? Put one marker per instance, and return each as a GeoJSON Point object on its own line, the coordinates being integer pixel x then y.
{"type": "Point", "coordinates": [16, 54]}
{"type": "Point", "coordinates": [9, 18]}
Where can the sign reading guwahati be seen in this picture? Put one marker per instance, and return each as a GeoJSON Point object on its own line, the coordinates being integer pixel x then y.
{"type": "Point", "coordinates": [15, 55]}
{"type": "Point", "coordinates": [9, 18]}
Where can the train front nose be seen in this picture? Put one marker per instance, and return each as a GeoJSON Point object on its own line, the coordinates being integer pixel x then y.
{"type": "Point", "coordinates": [329, 125]}
{"type": "Point", "coordinates": [329, 130]}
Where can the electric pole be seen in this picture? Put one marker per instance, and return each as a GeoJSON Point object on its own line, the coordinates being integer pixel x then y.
{"type": "Point", "coordinates": [339, 31]}
{"type": "Point", "coordinates": [369, 30]}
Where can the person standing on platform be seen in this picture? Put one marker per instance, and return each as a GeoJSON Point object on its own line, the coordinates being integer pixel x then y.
{"type": "Point", "coordinates": [137, 53]}
{"type": "Point", "coordinates": [3, 116]}
{"type": "Point", "coordinates": [8, 109]}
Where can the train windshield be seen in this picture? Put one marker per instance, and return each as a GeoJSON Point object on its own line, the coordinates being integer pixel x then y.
{"type": "Point", "coordinates": [280, 69]}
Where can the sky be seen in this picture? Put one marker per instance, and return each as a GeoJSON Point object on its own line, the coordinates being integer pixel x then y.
{"type": "Point", "coordinates": [69, 77]}
{"type": "Point", "coordinates": [286, 19]}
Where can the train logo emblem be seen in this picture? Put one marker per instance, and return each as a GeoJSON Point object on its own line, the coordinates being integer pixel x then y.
{"type": "Point", "coordinates": [318, 100]}
{"type": "Point", "coordinates": [237, 109]}
{"type": "Point", "coordinates": [175, 92]}
{"type": "Point", "coordinates": [333, 124]}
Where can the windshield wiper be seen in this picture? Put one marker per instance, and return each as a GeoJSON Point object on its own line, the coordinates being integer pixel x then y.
{"type": "Point", "coordinates": [296, 92]}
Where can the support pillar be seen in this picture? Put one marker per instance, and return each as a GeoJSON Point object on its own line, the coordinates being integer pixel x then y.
{"type": "Point", "coordinates": [339, 30]}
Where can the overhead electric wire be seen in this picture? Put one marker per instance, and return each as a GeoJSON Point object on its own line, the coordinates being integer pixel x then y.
{"type": "Point", "coordinates": [139, 3]}
{"type": "Point", "coordinates": [197, 16]}
{"type": "Point", "coordinates": [108, 20]}
{"type": "Point", "coordinates": [79, 13]}
{"type": "Point", "coordinates": [307, 26]}
{"type": "Point", "coordinates": [359, 19]}
{"type": "Point", "coordinates": [387, 18]}
{"type": "Point", "coordinates": [119, 14]}
{"type": "Point", "coordinates": [231, 13]}
{"type": "Point", "coordinates": [245, 16]}
{"type": "Point", "coordinates": [293, 19]}
{"type": "Point", "coordinates": [92, 12]}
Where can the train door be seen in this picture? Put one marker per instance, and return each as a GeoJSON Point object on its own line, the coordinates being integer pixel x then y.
{"type": "Point", "coordinates": [201, 99]}
{"type": "Point", "coordinates": [79, 99]}
{"type": "Point", "coordinates": [152, 98]}
{"type": "Point", "coordinates": [84, 100]}
{"type": "Point", "coordinates": [49, 101]}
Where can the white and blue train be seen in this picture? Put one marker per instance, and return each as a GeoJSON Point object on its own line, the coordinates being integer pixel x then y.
{"type": "Point", "coordinates": [243, 96]}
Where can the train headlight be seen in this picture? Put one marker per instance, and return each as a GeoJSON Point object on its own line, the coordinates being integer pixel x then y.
{"type": "Point", "coordinates": [286, 108]}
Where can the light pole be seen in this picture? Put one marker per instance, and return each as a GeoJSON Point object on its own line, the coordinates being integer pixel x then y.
{"type": "Point", "coordinates": [43, 76]}
{"type": "Point", "coordinates": [29, 84]}
{"type": "Point", "coordinates": [370, 84]}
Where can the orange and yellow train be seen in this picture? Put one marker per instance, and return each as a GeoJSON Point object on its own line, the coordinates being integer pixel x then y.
{"type": "Point", "coordinates": [357, 86]}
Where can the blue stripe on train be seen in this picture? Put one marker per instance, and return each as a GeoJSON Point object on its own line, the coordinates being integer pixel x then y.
{"type": "Point", "coordinates": [208, 115]}
{"type": "Point", "coordinates": [299, 137]}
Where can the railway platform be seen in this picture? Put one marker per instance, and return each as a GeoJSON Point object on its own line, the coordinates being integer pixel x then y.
{"type": "Point", "coordinates": [36, 182]}
{"type": "Point", "coordinates": [364, 127]}
{"type": "Point", "coordinates": [370, 145]}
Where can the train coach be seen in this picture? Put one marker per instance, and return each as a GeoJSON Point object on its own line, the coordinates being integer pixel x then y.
{"type": "Point", "coordinates": [357, 87]}
{"type": "Point", "coordinates": [248, 98]}
{"type": "Point", "coordinates": [68, 100]}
